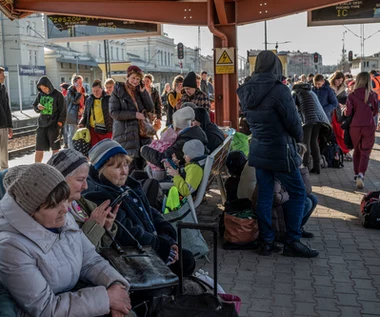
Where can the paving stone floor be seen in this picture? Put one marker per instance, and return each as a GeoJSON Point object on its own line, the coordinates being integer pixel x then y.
{"type": "Point", "coordinates": [343, 281]}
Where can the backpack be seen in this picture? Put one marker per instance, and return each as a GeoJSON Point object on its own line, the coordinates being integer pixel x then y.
{"type": "Point", "coordinates": [82, 141]}
{"type": "Point", "coordinates": [333, 155]}
{"type": "Point", "coordinates": [370, 210]}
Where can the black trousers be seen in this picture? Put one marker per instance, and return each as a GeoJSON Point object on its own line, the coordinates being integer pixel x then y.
{"type": "Point", "coordinates": [310, 139]}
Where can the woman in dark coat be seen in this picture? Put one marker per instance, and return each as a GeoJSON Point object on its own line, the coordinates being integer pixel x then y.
{"type": "Point", "coordinates": [127, 103]}
{"type": "Point", "coordinates": [108, 178]}
{"type": "Point", "coordinates": [315, 123]}
{"type": "Point", "coordinates": [215, 136]}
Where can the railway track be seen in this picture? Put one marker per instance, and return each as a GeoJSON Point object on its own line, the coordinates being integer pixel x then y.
{"type": "Point", "coordinates": [21, 151]}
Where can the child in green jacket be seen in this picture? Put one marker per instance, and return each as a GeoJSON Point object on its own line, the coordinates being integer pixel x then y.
{"type": "Point", "coordinates": [187, 183]}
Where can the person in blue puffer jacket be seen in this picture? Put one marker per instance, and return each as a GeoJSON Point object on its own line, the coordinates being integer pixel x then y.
{"type": "Point", "coordinates": [325, 94]}
{"type": "Point", "coordinates": [276, 128]}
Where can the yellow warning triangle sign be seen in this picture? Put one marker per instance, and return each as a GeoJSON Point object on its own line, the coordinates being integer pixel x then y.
{"type": "Point", "coordinates": [224, 59]}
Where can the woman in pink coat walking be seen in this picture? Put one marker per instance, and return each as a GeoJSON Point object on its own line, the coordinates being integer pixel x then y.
{"type": "Point", "coordinates": [362, 106]}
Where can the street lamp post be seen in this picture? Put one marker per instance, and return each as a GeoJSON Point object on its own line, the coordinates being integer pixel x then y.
{"type": "Point", "coordinates": [77, 58]}
{"type": "Point", "coordinates": [361, 37]}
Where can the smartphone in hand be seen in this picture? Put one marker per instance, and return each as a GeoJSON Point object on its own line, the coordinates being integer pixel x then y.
{"type": "Point", "coordinates": [117, 200]}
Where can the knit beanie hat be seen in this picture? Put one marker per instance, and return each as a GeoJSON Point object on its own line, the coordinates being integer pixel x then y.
{"type": "Point", "coordinates": [183, 117]}
{"type": "Point", "coordinates": [103, 151]}
{"type": "Point", "coordinates": [134, 70]}
{"type": "Point", "coordinates": [193, 148]}
{"type": "Point", "coordinates": [67, 161]}
{"type": "Point", "coordinates": [30, 185]}
{"type": "Point", "coordinates": [190, 80]}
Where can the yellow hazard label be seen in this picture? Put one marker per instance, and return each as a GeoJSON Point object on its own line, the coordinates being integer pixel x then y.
{"type": "Point", "coordinates": [224, 59]}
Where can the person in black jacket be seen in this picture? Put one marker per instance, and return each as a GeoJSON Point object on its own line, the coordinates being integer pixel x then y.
{"type": "Point", "coordinates": [315, 123]}
{"type": "Point", "coordinates": [276, 129]}
{"type": "Point", "coordinates": [50, 104]}
{"type": "Point", "coordinates": [96, 116]}
{"type": "Point", "coordinates": [215, 136]}
{"type": "Point", "coordinates": [5, 122]}
{"type": "Point", "coordinates": [182, 120]}
{"type": "Point", "coordinates": [109, 177]}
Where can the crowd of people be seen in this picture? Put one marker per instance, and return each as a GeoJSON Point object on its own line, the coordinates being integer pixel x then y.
{"type": "Point", "coordinates": [56, 217]}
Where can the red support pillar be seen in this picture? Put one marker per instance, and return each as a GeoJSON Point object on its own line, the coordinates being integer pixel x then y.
{"type": "Point", "coordinates": [230, 113]}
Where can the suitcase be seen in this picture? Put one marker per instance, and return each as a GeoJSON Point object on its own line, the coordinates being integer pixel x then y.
{"type": "Point", "coordinates": [207, 305]}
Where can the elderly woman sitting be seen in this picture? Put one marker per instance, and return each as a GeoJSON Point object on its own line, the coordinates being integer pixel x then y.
{"type": "Point", "coordinates": [43, 253]}
{"type": "Point", "coordinates": [108, 179]}
{"type": "Point", "coordinates": [93, 220]}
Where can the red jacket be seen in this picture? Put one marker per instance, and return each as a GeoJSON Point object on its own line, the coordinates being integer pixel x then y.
{"type": "Point", "coordinates": [362, 112]}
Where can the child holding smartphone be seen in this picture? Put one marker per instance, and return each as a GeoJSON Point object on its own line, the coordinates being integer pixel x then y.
{"type": "Point", "coordinates": [187, 183]}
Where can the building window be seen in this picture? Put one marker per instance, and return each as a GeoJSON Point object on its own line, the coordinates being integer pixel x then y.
{"type": "Point", "coordinates": [161, 58]}
{"type": "Point", "coordinates": [111, 52]}
{"type": "Point", "coordinates": [70, 66]}
{"type": "Point", "coordinates": [30, 57]}
{"type": "Point", "coordinates": [28, 28]}
{"type": "Point", "coordinates": [61, 65]}
{"type": "Point", "coordinates": [35, 58]}
{"type": "Point", "coordinates": [100, 50]}
{"type": "Point", "coordinates": [62, 79]}
{"type": "Point", "coordinates": [165, 63]}
{"type": "Point", "coordinates": [117, 53]}
{"type": "Point", "coordinates": [122, 53]}
{"type": "Point", "coordinates": [85, 67]}
{"type": "Point", "coordinates": [86, 80]}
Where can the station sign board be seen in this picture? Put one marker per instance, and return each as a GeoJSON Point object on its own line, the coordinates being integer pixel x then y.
{"type": "Point", "coordinates": [68, 28]}
{"type": "Point", "coordinates": [27, 70]}
{"type": "Point", "coordinates": [351, 12]}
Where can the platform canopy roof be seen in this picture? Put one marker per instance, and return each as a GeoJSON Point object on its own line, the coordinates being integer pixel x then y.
{"type": "Point", "coordinates": [182, 12]}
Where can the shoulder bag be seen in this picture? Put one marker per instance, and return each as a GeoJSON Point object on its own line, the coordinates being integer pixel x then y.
{"type": "Point", "coordinates": [140, 265]}
{"type": "Point", "coordinates": [100, 128]}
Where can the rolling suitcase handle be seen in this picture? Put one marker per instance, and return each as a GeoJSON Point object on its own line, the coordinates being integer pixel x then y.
{"type": "Point", "coordinates": [198, 226]}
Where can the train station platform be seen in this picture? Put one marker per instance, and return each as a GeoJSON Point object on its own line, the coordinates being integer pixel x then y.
{"type": "Point", "coordinates": [343, 281]}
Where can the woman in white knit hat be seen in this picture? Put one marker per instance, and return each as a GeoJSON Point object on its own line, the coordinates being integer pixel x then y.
{"type": "Point", "coordinates": [182, 120]}
{"type": "Point", "coordinates": [43, 253]}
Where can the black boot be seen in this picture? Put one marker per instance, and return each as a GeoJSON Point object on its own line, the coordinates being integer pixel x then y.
{"type": "Point", "coordinates": [315, 171]}
{"type": "Point", "coordinates": [267, 248]}
{"type": "Point", "coordinates": [298, 249]}
{"type": "Point", "coordinates": [306, 234]}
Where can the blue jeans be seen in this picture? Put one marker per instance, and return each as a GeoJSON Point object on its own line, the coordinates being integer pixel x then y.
{"type": "Point", "coordinates": [293, 208]}
{"type": "Point", "coordinates": [71, 129]}
{"type": "Point", "coordinates": [7, 306]}
{"type": "Point", "coordinates": [310, 204]}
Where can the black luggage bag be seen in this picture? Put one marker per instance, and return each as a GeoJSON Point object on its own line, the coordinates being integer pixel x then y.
{"type": "Point", "coordinates": [201, 305]}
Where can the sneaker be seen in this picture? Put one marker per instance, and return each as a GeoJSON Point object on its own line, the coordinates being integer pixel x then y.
{"type": "Point", "coordinates": [359, 182]}
{"type": "Point", "coordinates": [299, 249]}
{"type": "Point", "coordinates": [267, 248]}
{"type": "Point", "coordinates": [306, 234]}
{"type": "Point", "coordinates": [347, 157]}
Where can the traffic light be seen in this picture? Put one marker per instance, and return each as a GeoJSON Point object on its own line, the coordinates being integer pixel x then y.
{"type": "Point", "coordinates": [180, 52]}
{"type": "Point", "coordinates": [316, 57]}
{"type": "Point", "coordinates": [350, 57]}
